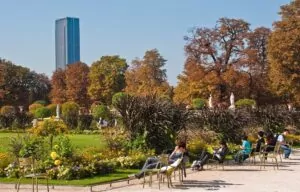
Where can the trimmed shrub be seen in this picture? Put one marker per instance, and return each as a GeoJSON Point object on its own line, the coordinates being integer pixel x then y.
{"type": "Point", "coordinates": [34, 107]}
{"type": "Point", "coordinates": [245, 103]}
{"type": "Point", "coordinates": [49, 127]}
{"type": "Point", "coordinates": [70, 114]}
{"type": "Point", "coordinates": [100, 111]}
{"type": "Point", "coordinates": [198, 103]}
{"type": "Point", "coordinates": [42, 102]}
{"type": "Point", "coordinates": [8, 111]}
{"type": "Point", "coordinates": [42, 112]}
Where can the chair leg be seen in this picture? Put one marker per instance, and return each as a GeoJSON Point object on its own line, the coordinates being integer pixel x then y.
{"type": "Point", "coordinates": [37, 184]}
{"type": "Point", "coordinates": [144, 181]}
{"type": "Point", "coordinates": [32, 184]}
{"type": "Point", "coordinates": [18, 184]}
{"type": "Point", "coordinates": [47, 184]}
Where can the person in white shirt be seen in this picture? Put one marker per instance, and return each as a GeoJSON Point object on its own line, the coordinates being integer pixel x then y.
{"type": "Point", "coordinates": [283, 145]}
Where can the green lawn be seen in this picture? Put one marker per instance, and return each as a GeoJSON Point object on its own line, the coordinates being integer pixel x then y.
{"type": "Point", "coordinates": [79, 141]}
{"type": "Point", "coordinates": [119, 174]}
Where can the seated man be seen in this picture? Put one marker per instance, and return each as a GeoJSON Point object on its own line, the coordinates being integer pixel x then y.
{"type": "Point", "coordinates": [283, 145]}
{"type": "Point", "coordinates": [218, 155]}
{"type": "Point", "coordinates": [153, 162]}
{"type": "Point", "coordinates": [245, 151]}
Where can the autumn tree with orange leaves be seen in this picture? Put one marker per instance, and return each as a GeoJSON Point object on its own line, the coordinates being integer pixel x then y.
{"type": "Point", "coordinates": [284, 54]}
{"type": "Point", "coordinates": [227, 58]}
{"type": "Point", "coordinates": [77, 84]}
{"type": "Point", "coordinates": [147, 76]}
{"type": "Point", "coordinates": [107, 77]}
{"type": "Point", "coordinates": [58, 84]}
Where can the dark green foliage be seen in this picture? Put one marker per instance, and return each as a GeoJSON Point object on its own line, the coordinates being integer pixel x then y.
{"type": "Point", "coordinates": [275, 118]}
{"type": "Point", "coordinates": [158, 120]}
{"type": "Point", "coordinates": [84, 122]}
{"type": "Point", "coordinates": [198, 103]}
{"type": "Point", "coordinates": [22, 120]}
{"type": "Point", "coordinates": [229, 125]}
{"type": "Point", "coordinates": [7, 116]}
{"type": "Point", "coordinates": [42, 112]}
{"type": "Point", "coordinates": [70, 114]}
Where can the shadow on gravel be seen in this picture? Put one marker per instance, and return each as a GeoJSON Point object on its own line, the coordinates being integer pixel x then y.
{"type": "Point", "coordinates": [213, 185]}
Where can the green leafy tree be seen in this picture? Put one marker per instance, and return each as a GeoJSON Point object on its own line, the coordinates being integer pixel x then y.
{"type": "Point", "coordinates": [107, 78]}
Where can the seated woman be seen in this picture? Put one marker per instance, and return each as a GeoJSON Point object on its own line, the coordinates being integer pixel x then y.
{"type": "Point", "coordinates": [218, 155]}
{"type": "Point", "coordinates": [260, 142]}
{"type": "Point", "coordinates": [153, 162]}
{"type": "Point", "coordinates": [243, 154]}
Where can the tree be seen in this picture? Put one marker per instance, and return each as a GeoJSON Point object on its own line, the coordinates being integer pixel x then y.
{"type": "Point", "coordinates": [38, 86]}
{"type": "Point", "coordinates": [258, 65]}
{"type": "Point", "coordinates": [218, 49]}
{"type": "Point", "coordinates": [284, 54]}
{"type": "Point", "coordinates": [20, 86]}
{"type": "Point", "coordinates": [107, 77]}
{"type": "Point", "coordinates": [77, 83]}
{"type": "Point", "coordinates": [147, 76]}
{"type": "Point", "coordinates": [191, 83]}
{"type": "Point", "coordinates": [58, 84]}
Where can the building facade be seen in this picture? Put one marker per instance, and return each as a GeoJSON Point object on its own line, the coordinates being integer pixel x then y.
{"type": "Point", "coordinates": [67, 42]}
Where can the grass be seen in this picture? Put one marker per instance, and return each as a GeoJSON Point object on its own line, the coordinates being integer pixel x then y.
{"type": "Point", "coordinates": [79, 141]}
{"type": "Point", "coordinates": [118, 175]}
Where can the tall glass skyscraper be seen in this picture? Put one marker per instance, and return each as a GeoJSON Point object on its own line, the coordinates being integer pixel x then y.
{"type": "Point", "coordinates": [67, 42]}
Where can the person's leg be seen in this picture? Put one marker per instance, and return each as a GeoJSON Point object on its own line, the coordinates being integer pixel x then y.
{"type": "Point", "coordinates": [149, 166]}
{"type": "Point", "coordinates": [286, 151]}
{"type": "Point", "coordinates": [149, 160]}
{"type": "Point", "coordinates": [205, 159]}
{"type": "Point", "coordinates": [245, 156]}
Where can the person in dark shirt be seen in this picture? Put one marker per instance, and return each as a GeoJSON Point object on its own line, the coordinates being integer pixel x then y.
{"type": "Point", "coordinates": [260, 141]}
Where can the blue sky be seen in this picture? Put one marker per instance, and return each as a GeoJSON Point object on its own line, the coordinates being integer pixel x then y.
{"type": "Point", "coordinates": [124, 27]}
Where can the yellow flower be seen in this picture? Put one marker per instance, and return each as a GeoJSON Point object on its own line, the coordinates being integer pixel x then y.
{"type": "Point", "coordinates": [57, 162]}
{"type": "Point", "coordinates": [54, 155]}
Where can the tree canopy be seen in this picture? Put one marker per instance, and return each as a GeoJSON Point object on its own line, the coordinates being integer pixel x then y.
{"type": "Point", "coordinates": [284, 54]}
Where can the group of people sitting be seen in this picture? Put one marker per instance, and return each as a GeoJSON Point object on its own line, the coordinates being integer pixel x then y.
{"type": "Point", "coordinates": [269, 142]}
{"type": "Point", "coordinates": [219, 154]}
